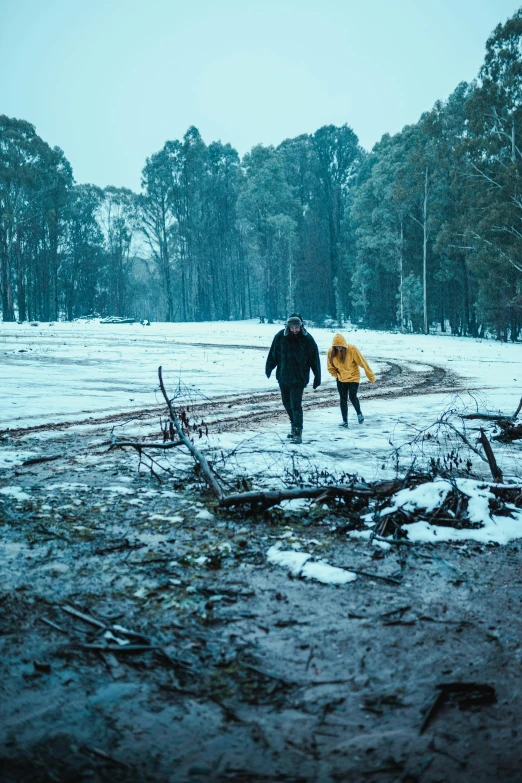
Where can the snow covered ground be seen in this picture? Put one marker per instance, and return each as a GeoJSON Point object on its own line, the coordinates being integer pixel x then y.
{"type": "Point", "coordinates": [81, 370]}
{"type": "Point", "coordinates": [85, 372]}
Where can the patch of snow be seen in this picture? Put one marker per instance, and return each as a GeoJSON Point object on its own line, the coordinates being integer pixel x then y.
{"type": "Point", "coordinates": [15, 492]}
{"type": "Point", "coordinates": [295, 504]}
{"type": "Point", "coordinates": [119, 490]}
{"type": "Point", "coordinates": [496, 530]}
{"type": "Point", "coordinates": [112, 638]}
{"type": "Point", "coordinates": [428, 496]}
{"type": "Point", "coordinates": [300, 564]}
{"type": "Point", "coordinates": [72, 486]}
{"type": "Point", "coordinates": [10, 459]}
{"type": "Point", "coordinates": [327, 574]}
{"type": "Point", "coordinates": [204, 514]}
{"type": "Point", "coordinates": [163, 518]}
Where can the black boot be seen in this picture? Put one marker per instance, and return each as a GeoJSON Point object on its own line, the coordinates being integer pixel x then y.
{"type": "Point", "coordinates": [292, 432]}
{"type": "Point", "coordinates": [298, 432]}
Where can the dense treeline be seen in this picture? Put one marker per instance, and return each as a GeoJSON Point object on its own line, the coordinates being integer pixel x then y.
{"type": "Point", "coordinates": [423, 232]}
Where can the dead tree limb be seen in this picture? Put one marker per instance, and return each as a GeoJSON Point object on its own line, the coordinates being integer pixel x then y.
{"type": "Point", "coordinates": [117, 444]}
{"type": "Point", "coordinates": [495, 470]}
{"type": "Point", "coordinates": [206, 470]}
{"type": "Point", "coordinates": [37, 460]}
{"type": "Point", "coordinates": [268, 498]}
{"type": "Point", "coordinates": [501, 418]}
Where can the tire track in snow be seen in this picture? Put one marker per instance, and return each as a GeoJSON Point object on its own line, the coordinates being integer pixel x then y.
{"type": "Point", "coordinates": [230, 412]}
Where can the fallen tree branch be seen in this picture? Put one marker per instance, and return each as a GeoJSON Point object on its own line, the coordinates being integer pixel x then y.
{"type": "Point", "coordinates": [139, 446]}
{"type": "Point", "coordinates": [498, 417]}
{"type": "Point", "coordinates": [206, 470]}
{"type": "Point", "coordinates": [85, 617]}
{"type": "Point", "coordinates": [268, 498]}
{"type": "Point", "coordinates": [495, 470]}
{"type": "Point", "coordinates": [391, 579]}
{"type": "Point", "coordinates": [37, 460]}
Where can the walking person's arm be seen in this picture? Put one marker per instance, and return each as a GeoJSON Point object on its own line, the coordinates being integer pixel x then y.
{"type": "Point", "coordinates": [332, 369]}
{"type": "Point", "coordinates": [315, 363]}
{"type": "Point", "coordinates": [361, 361]}
{"type": "Point", "coordinates": [272, 359]}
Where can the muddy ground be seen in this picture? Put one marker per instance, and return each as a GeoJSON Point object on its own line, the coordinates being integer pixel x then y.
{"type": "Point", "coordinates": [236, 671]}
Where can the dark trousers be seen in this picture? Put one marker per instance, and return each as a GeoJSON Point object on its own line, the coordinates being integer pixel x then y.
{"type": "Point", "coordinates": [292, 396]}
{"type": "Point", "coordinates": [348, 390]}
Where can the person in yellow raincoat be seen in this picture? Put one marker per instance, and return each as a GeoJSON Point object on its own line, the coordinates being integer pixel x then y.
{"type": "Point", "coordinates": [344, 361]}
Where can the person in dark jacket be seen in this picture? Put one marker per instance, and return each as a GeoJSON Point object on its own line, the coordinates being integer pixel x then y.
{"type": "Point", "coordinates": [294, 352]}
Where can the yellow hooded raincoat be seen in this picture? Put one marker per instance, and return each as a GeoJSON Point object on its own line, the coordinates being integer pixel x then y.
{"type": "Point", "coordinates": [347, 371]}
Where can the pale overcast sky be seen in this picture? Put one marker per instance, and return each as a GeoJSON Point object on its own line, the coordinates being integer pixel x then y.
{"type": "Point", "coordinates": [109, 81]}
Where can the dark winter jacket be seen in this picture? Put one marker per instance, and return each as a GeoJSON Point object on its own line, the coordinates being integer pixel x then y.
{"type": "Point", "coordinates": [294, 356]}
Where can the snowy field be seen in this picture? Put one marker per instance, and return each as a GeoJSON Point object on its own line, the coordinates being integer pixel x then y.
{"type": "Point", "coordinates": [90, 375]}
{"type": "Point", "coordinates": [73, 371]}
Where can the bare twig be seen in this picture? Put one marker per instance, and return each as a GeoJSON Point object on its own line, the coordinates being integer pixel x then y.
{"type": "Point", "coordinates": [463, 437]}
{"type": "Point", "coordinates": [85, 617]}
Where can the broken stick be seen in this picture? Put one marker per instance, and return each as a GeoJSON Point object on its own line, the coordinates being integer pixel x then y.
{"type": "Point", "coordinates": [495, 470]}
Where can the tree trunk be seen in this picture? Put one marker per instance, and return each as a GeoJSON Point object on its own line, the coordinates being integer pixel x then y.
{"type": "Point", "coordinates": [401, 275]}
{"type": "Point", "coordinates": [425, 252]}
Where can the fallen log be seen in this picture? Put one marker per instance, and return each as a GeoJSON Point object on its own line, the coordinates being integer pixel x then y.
{"type": "Point", "coordinates": [267, 498]}
{"type": "Point", "coordinates": [140, 446]}
{"type": "Point", "coordinates": [37, 460]}
{"type": "Point", "coordinates": [500, 418]}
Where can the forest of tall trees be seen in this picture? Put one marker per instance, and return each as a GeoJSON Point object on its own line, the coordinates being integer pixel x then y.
{"type": "Point", "coordinates": [423, 232]}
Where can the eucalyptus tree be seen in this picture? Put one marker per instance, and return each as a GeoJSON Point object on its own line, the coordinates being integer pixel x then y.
{"type": "Point", "coordinates": [227, 269]}
{"type": "Point", "coordinates": [495, 167]}
{"type": "Point", "coordinates": [34, 185]}
{"type": "Point", "coordinates": [266, 205]}
{"type": "Point", "coordinates": [84, 253]}
{"type": "Point", "coordinates": [119, 220]}
{"type": "Point", "coordinates": [337, 161]}
{"type": "Point", "coordinates": [157, 222]}
{"type": "Point", "coordinates": [184, 185]}
{"type": "Point", "coordinates": [379, 211]}
{"type": "Point", "coordinates": [454, 286]}
{"type": "Point", "coordinates": [299, 160]}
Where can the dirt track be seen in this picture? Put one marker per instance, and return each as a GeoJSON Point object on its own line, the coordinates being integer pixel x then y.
{"type": "Point", "coordinates": [230, 411]}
